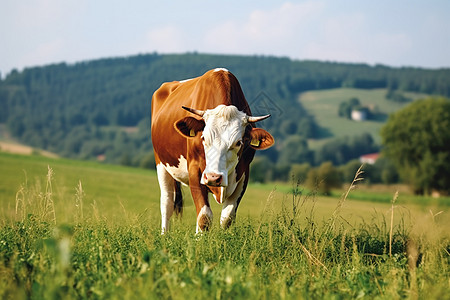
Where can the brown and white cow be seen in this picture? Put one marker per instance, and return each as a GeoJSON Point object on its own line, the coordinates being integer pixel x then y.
{"type": "Point", "coordinates": [204, 136]}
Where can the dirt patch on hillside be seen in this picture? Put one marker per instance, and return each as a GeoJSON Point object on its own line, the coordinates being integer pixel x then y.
{"type": "Point", "coordinates": [12, 147]}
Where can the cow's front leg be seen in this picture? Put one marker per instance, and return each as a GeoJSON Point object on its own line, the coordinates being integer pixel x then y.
{"type": "Point", "coordinates": [204, 219]}
{"type": "Point", "coordinates": [228, 213]}
{"type": "Point", "coordinates": [200, 195]}
{"type": "Point", "coordinates": [204, 213]}
{"type": "Point", "coordinates": [167, 186]}
{"type": "Point", "coordinates": [233, 195]}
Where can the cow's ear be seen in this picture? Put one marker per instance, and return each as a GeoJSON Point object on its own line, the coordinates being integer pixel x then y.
{"type": "Point", "coordinates": [189, 126]}
{"type": "Point", "coordinates": [260, 139]}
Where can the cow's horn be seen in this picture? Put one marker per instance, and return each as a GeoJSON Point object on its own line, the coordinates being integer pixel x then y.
{"type": "Point", "coordinates": [194, 111]}
{"type": "Point", "coordinates": [257, 119]}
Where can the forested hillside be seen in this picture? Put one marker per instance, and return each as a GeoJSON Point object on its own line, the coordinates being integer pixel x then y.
{"type": "Point", "coordinates": [101, 109]}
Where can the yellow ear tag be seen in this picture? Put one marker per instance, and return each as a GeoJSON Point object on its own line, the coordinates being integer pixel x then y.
{"type": "Point", "coordinates": [192, 133]}
{"type": "Point", "coordinates": [255, 143]}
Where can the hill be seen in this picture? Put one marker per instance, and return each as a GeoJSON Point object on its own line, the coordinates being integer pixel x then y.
{"type": "Point", "coordinates": [100, 109]}
{"type": "Point", "coordinates": [324, 106]}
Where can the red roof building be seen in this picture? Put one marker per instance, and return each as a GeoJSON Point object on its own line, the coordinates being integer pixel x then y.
{"type": "Point", "coordinates": [369, 158]}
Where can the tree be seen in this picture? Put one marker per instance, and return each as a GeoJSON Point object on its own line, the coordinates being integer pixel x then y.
{"type": "Point", "coordinates": [417, 140]}
{"type": "Point", "coordinates": [345, 110]}
{"type": "Point", "coordinates": [148, 161]}
{"type": "Point", "coordinates": [260, 169]}
{"type": "Point", "coordinates": [386, 170]}
{"type": "Point", "coordinates": [288, 127]}
{"type": "Point", "coordinates": [348, 170]}
{"type": "Point", "coordinates": [323, 178]}
{"type": "Point", "coordinates": [299, 172]}
{"type": "Point", "coordinates": [295, 150]}
{"type": "Point", "coordinates": [346, 107]}
{"type": "Point", "coordinates": [341, 150]}
{"type": "Point", "coordinates": [397, 96]}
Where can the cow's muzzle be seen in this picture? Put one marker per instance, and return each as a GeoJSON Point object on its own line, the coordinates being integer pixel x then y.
{"type": "Point", "coordinates": [212, 179]}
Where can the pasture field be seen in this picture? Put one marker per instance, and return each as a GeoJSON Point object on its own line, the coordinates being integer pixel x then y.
{"type": "Point", "coordinates": [81, 230]}
{"type": "Point", "coordinates": [324, 106]}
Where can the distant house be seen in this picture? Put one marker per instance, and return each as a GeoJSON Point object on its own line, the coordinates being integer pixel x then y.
{"type": "Point", "coordinates": [359, 114]}
{"type": "Point", "coordinates": [369, 158]}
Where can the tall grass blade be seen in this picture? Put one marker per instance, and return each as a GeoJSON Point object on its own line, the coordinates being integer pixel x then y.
{"type": "Point", "coordinates": [49, 205]}
{"type": "Point", "coordinates": [20, 203]}
{"type": "Point", "coordinates": [79, 194]}
{"type": "Point", "coordinates": [392, 222]}
{"type": "Point", "coordinates": [358, 177]}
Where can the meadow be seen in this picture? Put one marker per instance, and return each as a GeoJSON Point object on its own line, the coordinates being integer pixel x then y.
{"type": "Point", "coordinates": [83, 230]}
{"type": "Point", "coordinates": [324, 106]}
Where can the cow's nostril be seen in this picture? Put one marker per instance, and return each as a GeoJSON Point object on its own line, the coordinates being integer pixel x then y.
{"type": "Point", "coordinates": [213, 179]}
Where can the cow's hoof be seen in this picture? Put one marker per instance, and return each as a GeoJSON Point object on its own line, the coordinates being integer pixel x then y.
{"type": "Point", "coordinates": [204, 223]}
{"type": "Point", "coordinates": [226, 222]}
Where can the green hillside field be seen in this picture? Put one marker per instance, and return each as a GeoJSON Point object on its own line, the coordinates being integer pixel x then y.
{"type": "Point", "coordinates": [60, 240]}
{"type": "Point", "coordinates": [114, 192]}
{"type": "Point", "coordinates": [324, 106]}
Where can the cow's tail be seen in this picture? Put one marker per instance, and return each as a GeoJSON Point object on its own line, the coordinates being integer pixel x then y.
{"type": "Point", "coordinates": [178, 204]}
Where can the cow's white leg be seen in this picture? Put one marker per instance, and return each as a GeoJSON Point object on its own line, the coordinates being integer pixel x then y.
{"type": "Point", "coordinates": [167, 186]}
{"type": "Point", "coordinates": [230, 202]}
{"type": "Point", "coordinates": [228, 213]}
{"type": "Point", "coordinates": [204, 219]}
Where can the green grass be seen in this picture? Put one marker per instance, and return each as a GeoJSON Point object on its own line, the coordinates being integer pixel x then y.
{"type": "Point", "coordinates": [285, 244]}
{"type": "Point", "coordinates": [324, 105]}
{"type": "Point", "coordinates": [107, 186]}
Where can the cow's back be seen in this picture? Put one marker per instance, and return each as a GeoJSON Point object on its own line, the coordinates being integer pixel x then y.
{"type": "Point", "coordinates": [214, 88]}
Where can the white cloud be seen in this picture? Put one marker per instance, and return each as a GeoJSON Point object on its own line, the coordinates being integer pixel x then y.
{"type": "Point", "coordinates": [37, 32]}
{"type": "Point", "coordinates": [350, 38]}
{"type": "Point", "coordinates": [276, 31]}
{"type": "Point", "coordinates": [311, 30]}
{"type": "Point", "coordinates": [338, 38]}
{"type": "Point", "coordinates": [166, 39]}
{"type": "Point", "coordinates": [49, 52]}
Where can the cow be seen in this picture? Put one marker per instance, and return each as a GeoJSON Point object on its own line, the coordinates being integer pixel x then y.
{"type": "Point", "coordinates": [203, 136]}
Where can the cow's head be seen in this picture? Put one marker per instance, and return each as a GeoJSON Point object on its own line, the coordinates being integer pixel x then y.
{"type": "Point", "coordinates": [225, 132]}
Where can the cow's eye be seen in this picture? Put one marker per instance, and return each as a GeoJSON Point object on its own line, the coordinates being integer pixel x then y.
{"type": "Point", "coordinates": [238, 143]}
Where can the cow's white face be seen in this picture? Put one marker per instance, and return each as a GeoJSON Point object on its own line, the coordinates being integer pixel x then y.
{"type": "Point", "coordinates": [222, 140]}
{"type": "Point", "coordinates": [223, 133]}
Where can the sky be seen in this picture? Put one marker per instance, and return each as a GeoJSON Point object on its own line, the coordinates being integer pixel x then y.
{"type": "Point", "coordinates": [394, 32]}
